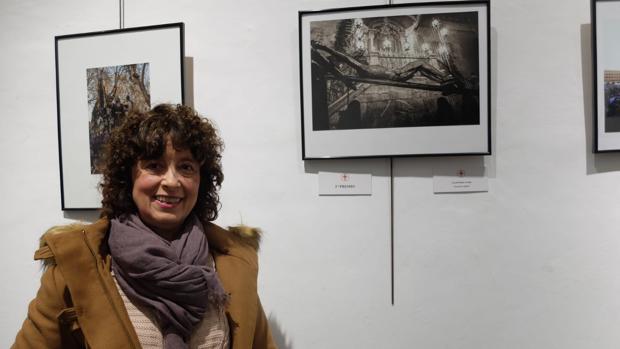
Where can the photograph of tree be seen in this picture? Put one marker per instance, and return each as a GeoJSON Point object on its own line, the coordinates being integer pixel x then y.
{"type": "Point", "coordinates": [397, 71]}
{"type": "Point", "coordinates": [612, 100]}
{"type": "Point", "coordinates": [112, 93]}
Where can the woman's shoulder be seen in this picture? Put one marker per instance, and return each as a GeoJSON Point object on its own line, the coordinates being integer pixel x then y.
{"type": "Point", "coordinates": [246, 235]}
{"type": "Point", "coordinates": [234, 236]}
{"type": "Point", "coordinates": [238, 241]}
{"type": "Point", "coordinates": [68, 236]}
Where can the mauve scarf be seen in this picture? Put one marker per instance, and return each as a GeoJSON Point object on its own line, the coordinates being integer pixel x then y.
{"type": "Point", "coordinates": [171, 277]}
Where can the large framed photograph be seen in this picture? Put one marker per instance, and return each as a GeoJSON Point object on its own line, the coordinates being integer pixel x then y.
{"type": "Point", "coordinates": [606, 73]}
{"type": "Point", "coordinates": [401, 80]}
{"type": "Point", "coordinates": [100, 78]}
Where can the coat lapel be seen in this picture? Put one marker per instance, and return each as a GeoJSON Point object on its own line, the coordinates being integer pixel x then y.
{"type": "Point", "coordinates": [101, 313]}
{"type": "Point", "coordinates": [237, 268]}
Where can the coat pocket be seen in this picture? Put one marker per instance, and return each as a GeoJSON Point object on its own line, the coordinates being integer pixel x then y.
{"type": "Point", "coordinates": [70, 332]}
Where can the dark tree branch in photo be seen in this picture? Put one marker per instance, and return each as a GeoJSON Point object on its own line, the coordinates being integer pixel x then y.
{"type": "Point", "coordinates": [112, 93]}
{"type": "Point", "coordinates": [138, 79]}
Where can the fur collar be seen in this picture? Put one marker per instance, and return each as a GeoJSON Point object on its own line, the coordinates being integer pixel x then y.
{"type": "Point", "coordinates": [221, 239]}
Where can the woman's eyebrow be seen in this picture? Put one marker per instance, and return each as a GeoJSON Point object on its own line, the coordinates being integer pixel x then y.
{"type": "Point", "coordinates": [187, 157]}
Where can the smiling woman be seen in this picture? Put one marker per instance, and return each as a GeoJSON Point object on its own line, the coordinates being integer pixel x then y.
{"type": "Point", "coordinates": [165, 190]}
{"type": "Point", "coordinates": [174, 157]}
{"type": "Point", "coordinates": [143, 139]}
{"type": "Point", "coordinates": [163, 275]}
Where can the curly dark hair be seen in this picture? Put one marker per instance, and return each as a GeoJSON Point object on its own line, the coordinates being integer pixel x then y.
{"type": "Point", "coordinates": [143, 136]}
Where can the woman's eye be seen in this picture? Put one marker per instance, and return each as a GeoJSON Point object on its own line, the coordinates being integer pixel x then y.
{"type": "Point", "coordinates": [188, 167]}
{"type": "Point", "coordinates": [152, 166]}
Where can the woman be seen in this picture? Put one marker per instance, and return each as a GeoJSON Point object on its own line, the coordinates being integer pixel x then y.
{"type": "Point", "coordinates": [153, 272]}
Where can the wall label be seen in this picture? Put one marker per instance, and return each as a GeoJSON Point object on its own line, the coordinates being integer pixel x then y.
{"type": "Point", "coordinates": [460, 179]}
{"type": "Point", "coordinates": [334, 183]}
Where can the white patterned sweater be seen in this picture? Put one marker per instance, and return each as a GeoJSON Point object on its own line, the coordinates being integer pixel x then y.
{"type": "Point", "coordinates": [211, 333]}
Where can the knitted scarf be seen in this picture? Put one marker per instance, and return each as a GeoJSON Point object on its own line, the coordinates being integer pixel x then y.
{"type": "Point", "coordinates": [170, 277]}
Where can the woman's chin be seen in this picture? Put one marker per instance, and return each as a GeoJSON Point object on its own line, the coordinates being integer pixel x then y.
{"type": "Point", "coordinates": [164, 222]}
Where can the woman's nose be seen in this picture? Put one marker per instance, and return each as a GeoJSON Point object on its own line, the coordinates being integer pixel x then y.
{"type": "Point", "coordinates": [170, 178]}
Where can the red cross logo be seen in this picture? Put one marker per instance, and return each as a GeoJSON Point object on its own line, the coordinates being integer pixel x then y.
{"type": "Point", "coordinates": [460, 173]}
{"type": "Point", "coordinates": [344, 177]}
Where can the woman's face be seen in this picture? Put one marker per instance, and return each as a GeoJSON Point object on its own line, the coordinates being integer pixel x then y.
{"type": "Point", "coordinates": [165, 190]}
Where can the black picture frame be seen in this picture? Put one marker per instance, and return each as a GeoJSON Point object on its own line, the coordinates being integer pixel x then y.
{"type": "Point", "coordinates": [100, 77]}
{"type": "Point", "coordinates": [606, 75]}
{"type": "Point", "coordinates": [399, 80]}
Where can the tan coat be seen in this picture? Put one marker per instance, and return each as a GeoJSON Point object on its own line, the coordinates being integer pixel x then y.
{"type": "Point", "coordinates": [79, 306]}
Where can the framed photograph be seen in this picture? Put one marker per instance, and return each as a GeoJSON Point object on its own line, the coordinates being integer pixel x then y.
{"type": "Point", "coordinates": [100, 78]}
{"type": "Point", "coordinates": [400, 80]}
{"type": "Point", "coordinates": [606, 73]}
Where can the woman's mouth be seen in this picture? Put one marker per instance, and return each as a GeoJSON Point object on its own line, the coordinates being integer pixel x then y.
{"type": "Point", "coordinates": [167, 201]}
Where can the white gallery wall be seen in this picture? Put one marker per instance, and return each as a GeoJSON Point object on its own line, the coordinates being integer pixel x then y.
{"type": "Point", "coordinates": [533, 263]}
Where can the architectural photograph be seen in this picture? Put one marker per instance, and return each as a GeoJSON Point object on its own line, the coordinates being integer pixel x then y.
{"type": "Point", "coordinates": [396, 71]}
